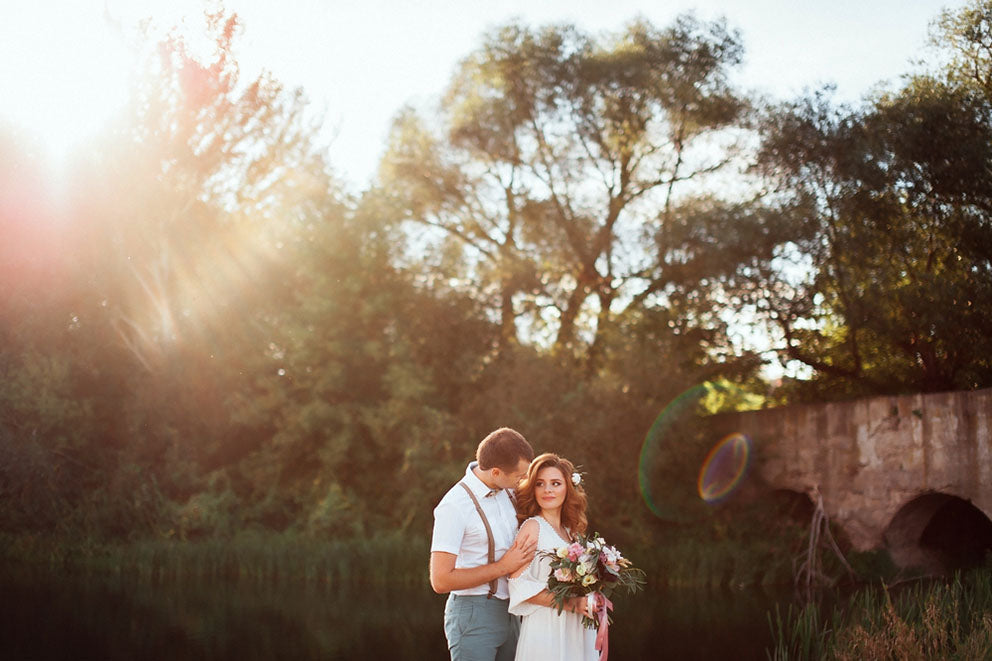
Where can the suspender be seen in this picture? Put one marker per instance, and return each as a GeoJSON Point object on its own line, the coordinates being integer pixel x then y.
{"type": "Point", "coordinates": [489, 534]}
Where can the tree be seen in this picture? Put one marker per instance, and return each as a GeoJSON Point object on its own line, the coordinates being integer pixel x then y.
{"type": "Point", "coordinates": [560, 163]}
{"type": "Point", "coordinates": [171, 265]}
{"type": "Point", "coordinates": [182, 210]}
{"type": "Point", "coordinates": [963, 41]}
{"type": "Point", "coordinates": [351, 411]}
{"type": "Point", "coordinates": [891, 203]}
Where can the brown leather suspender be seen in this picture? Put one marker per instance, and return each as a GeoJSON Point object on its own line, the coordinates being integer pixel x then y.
{"type": "Point", "coordinates": [489, 534]}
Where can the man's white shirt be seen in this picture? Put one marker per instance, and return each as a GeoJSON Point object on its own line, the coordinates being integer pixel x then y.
{"type": "Point", "coordinates": [458, 528]}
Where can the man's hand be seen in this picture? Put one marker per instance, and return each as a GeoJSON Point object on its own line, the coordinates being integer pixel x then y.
{"type": "Point", "coordinates": [519, 555]}
{"type": "Point", "coordinates": [445, 578]}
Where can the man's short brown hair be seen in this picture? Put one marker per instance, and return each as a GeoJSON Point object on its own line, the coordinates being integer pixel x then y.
{"type": "Point", "coordinates": [503, 449]}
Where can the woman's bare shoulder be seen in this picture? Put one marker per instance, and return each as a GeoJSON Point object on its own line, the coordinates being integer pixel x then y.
{"type": "Point", "coordinates": [529, 529]}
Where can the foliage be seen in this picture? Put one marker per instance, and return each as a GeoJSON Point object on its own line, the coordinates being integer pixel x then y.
{"type": "Point", "coordinates": [212, 342]}
{"type": "Point", "coordinates": [554, 177]}
{"type": "Point", "coordinates": [889, 287]}
{"type": "Point", "coordinates": [121, 346]}
{"type": "Point", "coordinates": [385, 559]}
{"type": "Point", "coordinates": [943, 620]}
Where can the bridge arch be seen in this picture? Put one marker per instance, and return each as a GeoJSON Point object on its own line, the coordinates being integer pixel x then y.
{"type": "Point", "coordinates": [870, 458]}
{"type": "Point", "coordinates": [938, 531]}
{"type": "Point", "coordinates": [793, 505]}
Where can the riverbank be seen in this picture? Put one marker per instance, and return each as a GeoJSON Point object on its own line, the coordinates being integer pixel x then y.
{"type": "Point", "coordinates": [384, 559]}
{"type": "Point", "coordinates": [50, 616]}
{"type": "Point", "coordinates": [948, 618]}
{"type": "Point", "coordinates": [739, 546]}
{"type": "Point", "coordinates": [936, 619]}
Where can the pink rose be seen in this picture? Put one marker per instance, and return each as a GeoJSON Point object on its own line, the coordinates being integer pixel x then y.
{"type": "Point", "coordinates": [574, 551]}
{"type": "Point", "coordinates": [563, 574]}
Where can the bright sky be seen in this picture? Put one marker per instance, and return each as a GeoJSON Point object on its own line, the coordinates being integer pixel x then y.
{"type": "Point", "coordinates": [62, 66]}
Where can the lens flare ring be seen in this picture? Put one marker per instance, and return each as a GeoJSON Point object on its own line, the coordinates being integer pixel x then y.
{"type": "Point", "coordinates": [685, 403]}
{"type": "Point", "coordinates": [724, 468]}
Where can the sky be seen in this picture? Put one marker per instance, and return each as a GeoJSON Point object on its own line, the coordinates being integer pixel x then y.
{"type": "Point", "coordinates": [63, 66]}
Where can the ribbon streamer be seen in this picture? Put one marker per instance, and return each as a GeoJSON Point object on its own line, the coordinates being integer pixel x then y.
{"type": "Point", "coordinates": [603, 635]}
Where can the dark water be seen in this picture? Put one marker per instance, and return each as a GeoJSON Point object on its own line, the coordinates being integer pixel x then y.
{"type": "Point", "coordinates": [45, 618]}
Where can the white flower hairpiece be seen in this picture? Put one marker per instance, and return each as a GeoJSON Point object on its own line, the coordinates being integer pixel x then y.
{"type": "Point", "coordinates": [576, 479]}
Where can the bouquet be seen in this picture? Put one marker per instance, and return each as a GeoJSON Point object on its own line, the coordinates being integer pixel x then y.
{"type": "Point", "coordinates": [591, 568]}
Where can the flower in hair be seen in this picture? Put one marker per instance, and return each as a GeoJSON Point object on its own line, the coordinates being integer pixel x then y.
{"type": "Point", "coordinates": [576, 479]}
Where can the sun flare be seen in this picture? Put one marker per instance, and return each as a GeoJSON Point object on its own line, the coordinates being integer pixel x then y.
{"type": "Point", "coordinates": [65, 66]}
{"type": "Point", "coordinates": [64, 71]}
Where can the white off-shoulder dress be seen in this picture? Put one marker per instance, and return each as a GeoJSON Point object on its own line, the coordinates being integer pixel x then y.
{"type": "Point", "coordinates": [546, 634]}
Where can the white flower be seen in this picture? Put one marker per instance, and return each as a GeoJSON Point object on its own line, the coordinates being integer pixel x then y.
{"type": "Point", "coordinates": [611, 554]}
{"type": "Point", "coordinates": [576, 479]}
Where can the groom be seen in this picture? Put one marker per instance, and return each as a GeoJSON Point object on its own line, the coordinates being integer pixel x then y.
{"type": "Point", "coordinates": [473, 550]}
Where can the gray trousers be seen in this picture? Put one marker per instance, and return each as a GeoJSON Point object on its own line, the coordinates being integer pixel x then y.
{"type": "Point", "coordinates": [480, 629]}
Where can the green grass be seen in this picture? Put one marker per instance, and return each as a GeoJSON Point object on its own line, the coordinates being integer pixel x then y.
{"type": "Point", "coordinates": [927, 620]}
{"type": "Point", "coordinates": [263, 557]}
{"type": "Point", "coordinates": [690, 562]}
{"type": "Point", "coordinates": [385, 558]}
{"type": "Point", "coordinates": [737, 549]}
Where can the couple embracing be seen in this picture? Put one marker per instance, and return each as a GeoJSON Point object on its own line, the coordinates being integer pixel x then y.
{"type": "Point", "coordinates": [490, 530]}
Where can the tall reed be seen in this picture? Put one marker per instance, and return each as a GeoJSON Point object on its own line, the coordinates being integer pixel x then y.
{"type": "Point", "coordinates": [934, 620]}
{"type": "Point", "coordinates": [387, 558]}
{"type": "Point", "coordinates": [690, 563]}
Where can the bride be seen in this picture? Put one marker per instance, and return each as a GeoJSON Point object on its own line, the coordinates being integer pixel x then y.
{"type": "Point", "coordinates": [553, 508]}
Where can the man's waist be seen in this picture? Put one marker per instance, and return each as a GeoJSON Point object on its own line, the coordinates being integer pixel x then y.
{"type": "Point", "coordinates": [502, 590]}
{"type": "Point", "coordinates": [483, 597]}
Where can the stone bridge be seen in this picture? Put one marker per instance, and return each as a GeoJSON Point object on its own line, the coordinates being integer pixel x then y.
{"type": "Point", "coordinates": [912, 473]}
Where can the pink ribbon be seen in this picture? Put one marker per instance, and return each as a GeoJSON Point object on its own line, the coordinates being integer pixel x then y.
{"type": "Point", "coordinates": [603, 635]}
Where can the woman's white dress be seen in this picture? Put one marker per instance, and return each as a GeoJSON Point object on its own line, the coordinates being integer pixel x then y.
{"type": "Point", "coordinates": [546, 634]}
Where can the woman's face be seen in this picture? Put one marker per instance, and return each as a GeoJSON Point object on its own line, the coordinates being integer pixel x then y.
{"type": "Point", "coordinates": [550, 488]}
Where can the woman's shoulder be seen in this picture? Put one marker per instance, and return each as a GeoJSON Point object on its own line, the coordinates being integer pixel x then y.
{"type": "Point", "coordinates": [529, 528]}
{"type": "Point", "coordinates": [531, 524]}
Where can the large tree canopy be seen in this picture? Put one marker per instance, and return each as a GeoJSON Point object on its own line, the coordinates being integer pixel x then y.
{"type": "Point", "coordinates": [167, 253]}
{"type": "Point", "coordinates": [557, 169]}
{"type": "Point", "coordinates": [892, 288]}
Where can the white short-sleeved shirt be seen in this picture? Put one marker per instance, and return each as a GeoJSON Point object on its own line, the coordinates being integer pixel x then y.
{"type": "Point", "coordinates": [458, 528]}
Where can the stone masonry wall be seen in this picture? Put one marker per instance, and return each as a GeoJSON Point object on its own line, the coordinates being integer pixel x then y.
{"type": "Point", "coordinates": [869, 457]}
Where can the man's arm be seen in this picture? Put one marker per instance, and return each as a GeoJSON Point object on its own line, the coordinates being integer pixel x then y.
{"type": "Point", "coordinates": [445, 577]}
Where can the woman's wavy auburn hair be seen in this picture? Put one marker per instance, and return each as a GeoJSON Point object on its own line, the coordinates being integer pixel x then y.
{"type": "Point", "coordinates": [573, 510]}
